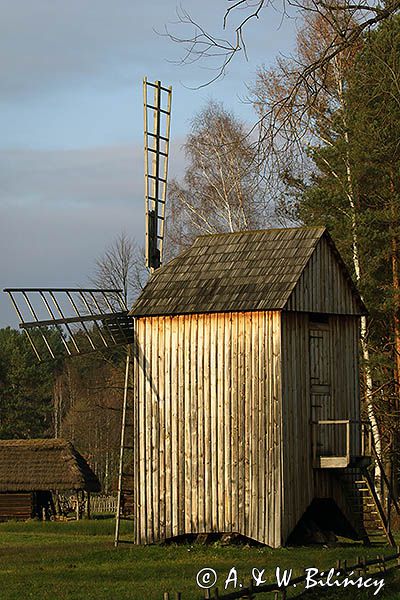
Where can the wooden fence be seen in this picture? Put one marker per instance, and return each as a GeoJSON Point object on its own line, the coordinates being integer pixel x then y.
{"type": "Point", "coordinates": [279, 593]}
{"type": "Point", "coordinates": [103, 504]}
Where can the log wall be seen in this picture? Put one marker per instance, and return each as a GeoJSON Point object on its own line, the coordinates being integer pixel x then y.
{"type": "Point", "coordinates": [15, 506]}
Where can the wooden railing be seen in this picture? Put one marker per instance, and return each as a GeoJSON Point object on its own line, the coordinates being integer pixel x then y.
{"type": "Point", "coordinates": [334, 459]}
{"type": "Point", "coordinates": [366, 439]}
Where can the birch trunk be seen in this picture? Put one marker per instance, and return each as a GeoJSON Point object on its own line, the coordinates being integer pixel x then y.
{"type": "Point", "coordinates": [357, 270]}
{"type": "Point", "coordinates": [396, 331]}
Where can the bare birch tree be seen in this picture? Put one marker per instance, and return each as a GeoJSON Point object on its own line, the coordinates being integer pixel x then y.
{"type": "Point", "coordinates": [122, 266]}
{"type": "Point", "coordinates": [222, 189]}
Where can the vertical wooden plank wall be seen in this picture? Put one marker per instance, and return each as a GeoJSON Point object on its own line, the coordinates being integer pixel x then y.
{"type": "Point", "coordinates": [298, 476]}
{"type": "Point", "coordinates": [301, 483]}
{"type": "Point", "coordinates": [323, 287]}
{"type": "Point", "coordinates": [208, 420]}
{"type": "Point", "coordinates": [345, 392]}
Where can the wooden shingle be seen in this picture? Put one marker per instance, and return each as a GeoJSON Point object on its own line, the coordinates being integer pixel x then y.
{"type": "Point", "coordinates": [244, 271]}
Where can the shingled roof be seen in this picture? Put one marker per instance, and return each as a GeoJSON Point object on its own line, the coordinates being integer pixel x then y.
{"type": "Point", "coordinates": [244, 271]}
{"type": "Point", "coordinates": [44, 464]}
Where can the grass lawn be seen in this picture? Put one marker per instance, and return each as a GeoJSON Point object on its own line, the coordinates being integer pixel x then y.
{"type": "Point", "coordinates": [77, 561]}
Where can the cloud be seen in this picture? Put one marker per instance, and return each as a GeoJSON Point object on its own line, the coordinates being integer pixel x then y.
{"type": "Point", "coordinates": [60, 209]}
{"type": "Point", "coordinates": [49, 44]}
{"type": "Point", "coordinates": [82, 176]}
{"type": "Point", "coordinates": [91, 176]}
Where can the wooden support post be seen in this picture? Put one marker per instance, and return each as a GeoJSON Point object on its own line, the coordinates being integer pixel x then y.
{"type": "Point", "coordinates": [166, 596]}
{"type": "Point", "coordinates": [77, 505]}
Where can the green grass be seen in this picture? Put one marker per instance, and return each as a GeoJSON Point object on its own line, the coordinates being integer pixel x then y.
{"type": "Point", "coordinates": [77, 561]}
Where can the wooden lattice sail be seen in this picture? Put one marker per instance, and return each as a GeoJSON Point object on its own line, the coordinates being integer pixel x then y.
{"type": "Point", "coordinates": [157, 118]}
{"type": "Point", "coordinates": [72, 320]}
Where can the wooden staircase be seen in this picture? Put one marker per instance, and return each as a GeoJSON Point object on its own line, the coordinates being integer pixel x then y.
{"type": "Point", "coordinates": [354, 472]}
{"type": "Point", "coordinates": [376, 526]}
{"type": "Point", "coordinates": [365, 505]}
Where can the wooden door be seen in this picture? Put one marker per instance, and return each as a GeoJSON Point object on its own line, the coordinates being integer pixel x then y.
{"type": "Point", "coordinates": [320, 382]}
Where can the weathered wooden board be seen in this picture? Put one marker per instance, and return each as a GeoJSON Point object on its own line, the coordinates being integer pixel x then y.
{"type": "Point", "coordinates": [209, 423]}
{"type": "Point", "coordinates": [319, 381]}
{"type": "Point", "coordinates": [324, 285]}
{"type": "Point", "coordinates": [16, 506]}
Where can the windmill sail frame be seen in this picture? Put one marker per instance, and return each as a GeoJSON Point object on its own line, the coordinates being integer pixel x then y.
{"type": "Point", "coordinates": [156, 152]}
{"type": "Point", "coordinates": [100, 316]}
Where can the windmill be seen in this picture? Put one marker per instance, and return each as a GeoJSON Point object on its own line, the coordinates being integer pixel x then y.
{"type": "Point", "coordinates": [84, 320]}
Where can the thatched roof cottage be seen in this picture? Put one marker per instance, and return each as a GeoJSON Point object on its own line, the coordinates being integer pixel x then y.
{"type": "Point", "coordinates": [31, 469]}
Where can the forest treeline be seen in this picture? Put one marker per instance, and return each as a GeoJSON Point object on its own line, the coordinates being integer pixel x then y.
{"type": "Point", "coordinates": [76, 398]}
{"type": "Point", "coordinates": [328, 156]}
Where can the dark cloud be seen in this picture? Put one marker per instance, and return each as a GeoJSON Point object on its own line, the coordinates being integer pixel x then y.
{"type": "Point", "coordinates": [60, 209]}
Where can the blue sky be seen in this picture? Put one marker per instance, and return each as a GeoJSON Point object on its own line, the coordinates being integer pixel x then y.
{"type": "Point", "coordinates": [71, 157]}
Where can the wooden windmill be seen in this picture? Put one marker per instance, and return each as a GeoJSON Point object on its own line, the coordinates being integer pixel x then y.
{"type": "Point", "coordinates": [244, 352]}
{"type": "Point", "coordinates": [84, 320]}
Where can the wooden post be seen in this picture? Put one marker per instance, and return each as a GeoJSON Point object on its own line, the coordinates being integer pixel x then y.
{"type": "Point", "coordinates": [166, 596]}
{"type": "Point", "coordinates": [362, 439]}
{"type": "Point", "coordinates": [77, 505]}
{"type": "Point", "coordinates": [383, 563]}
{"type": "Point", "coordinates": [88, 505]}
{"type": "Point", "coordinates": [365, 568]}
{"type": "Point", "coordinates": [122, 445]}
{"type": "Point", "coordinates": [314, 441]}
{"type": "Point", "coordinates": [359, 566]}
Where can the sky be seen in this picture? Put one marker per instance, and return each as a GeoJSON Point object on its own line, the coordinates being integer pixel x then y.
{"type": "Point", "coordinates": [71, 122]}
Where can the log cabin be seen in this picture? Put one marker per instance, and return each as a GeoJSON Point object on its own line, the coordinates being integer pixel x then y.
{"type": "Point", "coordinates": [246, 412]}
{"type": "Point", "coordinates": [31, 470]}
